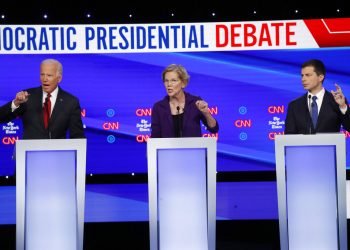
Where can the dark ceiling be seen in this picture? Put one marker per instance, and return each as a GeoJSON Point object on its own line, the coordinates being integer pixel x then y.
{"type": "Point", "coordinates": [160, 11]}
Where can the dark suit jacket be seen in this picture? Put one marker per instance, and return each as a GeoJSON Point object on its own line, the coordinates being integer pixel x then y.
{"type": "Point", "coordinates": [330, 118]}
{"type": "Point", "coordinates": [162, 120]}
{"type": "Point", "coordinates": [65, 119]}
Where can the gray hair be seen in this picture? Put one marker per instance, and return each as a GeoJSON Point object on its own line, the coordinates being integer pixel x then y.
{"type": "Point", "coordinates": [56, 62]}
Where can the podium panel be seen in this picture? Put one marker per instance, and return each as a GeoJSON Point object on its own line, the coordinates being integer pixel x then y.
{"type": "Point", "coordinates": [311, 185]}
{"type": "Point", "coordinates": [50, 194]}
{"type": "Point", "coordinates": [182, 193]}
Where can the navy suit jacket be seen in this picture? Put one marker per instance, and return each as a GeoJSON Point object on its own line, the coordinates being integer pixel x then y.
{"type": "Point", "coordinates": [162, 120]}
{"type": "Point", "coordinates": [330, 118]}
{"type": "Point", "coordinates": [65, 120]}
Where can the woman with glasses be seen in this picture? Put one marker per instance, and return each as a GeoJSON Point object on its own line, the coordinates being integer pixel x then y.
{"type": "Point", "coordinates": [179, 114]}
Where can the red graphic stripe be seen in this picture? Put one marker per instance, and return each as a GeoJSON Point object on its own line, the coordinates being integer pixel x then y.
{"type": "Point", "coordinates": [330, 32]}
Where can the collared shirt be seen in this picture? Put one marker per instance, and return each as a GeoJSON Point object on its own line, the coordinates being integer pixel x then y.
{"type": "Point", "coordinates": [53, 98]}
{"type": "Point", "coordinates": [319, 100]}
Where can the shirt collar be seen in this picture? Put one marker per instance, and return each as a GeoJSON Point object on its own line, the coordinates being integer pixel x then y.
{"type": "Point", "coordinates": [53, 93]}
{"type": "Point", "coordinates": [319, 95]}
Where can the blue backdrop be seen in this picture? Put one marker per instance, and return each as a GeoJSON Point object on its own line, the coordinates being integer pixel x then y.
{"type": "Point", "coordinates": [247, 91]}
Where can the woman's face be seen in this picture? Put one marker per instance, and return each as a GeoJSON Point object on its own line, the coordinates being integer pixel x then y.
{"type": "Point", "coordinates": [173, 84]}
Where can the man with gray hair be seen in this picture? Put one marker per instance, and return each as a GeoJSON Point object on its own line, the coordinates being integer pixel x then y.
{"type": "Point", "coordinates": [47, 112]}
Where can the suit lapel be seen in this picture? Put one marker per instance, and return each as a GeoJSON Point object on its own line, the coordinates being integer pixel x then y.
{"type": "Point", "coordinates": [304, 109]}
{"type": "Point", "coordinates": [323, 113]}
{"type": "Point", "coordinates": [37, 98]}
{"type": "Point", "coordinates": [169, 117]}
{"type": "Point", "coordinates": [58, 107]}
{"type": "Point", "coordinates": [188, 99]}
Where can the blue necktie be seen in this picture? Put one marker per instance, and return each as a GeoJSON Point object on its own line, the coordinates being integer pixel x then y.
{"type": "Point", "coordinates": [314, 111]}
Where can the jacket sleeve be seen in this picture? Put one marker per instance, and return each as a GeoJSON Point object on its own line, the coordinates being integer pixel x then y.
{"type": "Point", "coordinates": [204, 120]}
{"type": "Point", "coordinates": [6, 113]}
{"type": "Point", "coordinates": [290, 123]}
{"type": "Point", "coordinates": [76, 129]}
{"type": "Point", "coordinates": [213, 129]}
{"type": "Point", "coordinates": [155, 123]}
{"type": "Point", "coordinates": [345, 118]}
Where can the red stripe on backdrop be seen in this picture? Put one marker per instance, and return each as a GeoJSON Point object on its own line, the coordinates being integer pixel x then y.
{"type": "Point", "coordinates": [330, 32]}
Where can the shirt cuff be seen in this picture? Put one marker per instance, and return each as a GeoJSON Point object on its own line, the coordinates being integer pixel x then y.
{"type": "Point", "coordinates": [343, 110]}
{"type": "Point", "coordinates": [13, 106]}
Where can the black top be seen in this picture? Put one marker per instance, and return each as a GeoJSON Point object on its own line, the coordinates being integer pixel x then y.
{"type": "Point", "coordinates": [177, 120]}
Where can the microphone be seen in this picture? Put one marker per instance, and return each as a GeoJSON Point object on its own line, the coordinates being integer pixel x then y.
{"type": "Point", "coordinates": [309, 104]}
{"type": "Point", "coordinates": [46, 103]}
{"type": "Point", "coordinates": [178, 110]}
{"type": "Point", "coordinates": [179, 121]}
{"type": "Point", "coordinates": [48, 128]}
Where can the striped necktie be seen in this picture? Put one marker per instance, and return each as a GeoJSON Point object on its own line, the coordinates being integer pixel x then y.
{"type": "Point", "coordinates": [47, 110]}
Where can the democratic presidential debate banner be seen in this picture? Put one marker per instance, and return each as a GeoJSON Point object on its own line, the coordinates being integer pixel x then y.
{"type": "Point", "coordinates": [248, 72]}
{"type": "Point", "coordinates": [176, 37]}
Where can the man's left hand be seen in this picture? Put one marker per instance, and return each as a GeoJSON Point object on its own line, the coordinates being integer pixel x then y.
{"type": "Point", "coordinates": [339, 96]}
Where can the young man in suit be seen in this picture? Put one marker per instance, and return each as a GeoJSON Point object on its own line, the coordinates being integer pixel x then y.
{"type": "Point", "coordinates": [330, 109]}
{"type": "Point", "coordinates": [64, 112]}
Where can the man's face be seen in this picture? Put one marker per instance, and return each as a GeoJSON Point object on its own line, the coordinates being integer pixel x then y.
{"type": "Point", "coordinates": [310, 80]}
{"type": "Point", "coordinates": [49, 77]}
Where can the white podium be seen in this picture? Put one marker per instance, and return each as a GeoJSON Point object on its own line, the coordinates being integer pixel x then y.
{"type": "Point", "coordinates": [311, 186]}
{"type": "Point", "coordinates": [50, 194]}
{"type": "Point", "coordinates": [182, 193]}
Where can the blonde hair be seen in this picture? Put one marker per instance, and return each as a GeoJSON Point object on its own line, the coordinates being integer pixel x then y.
{"type": "Point", "coordinates": [180, 70]}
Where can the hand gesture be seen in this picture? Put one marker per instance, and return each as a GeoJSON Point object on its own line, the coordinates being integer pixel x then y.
{"type": "Point", "coordinates": [202, 106]}
{"type": "Point", "coordinates": [21, 97]}
{"type": "Point", "coordinates": [338, 96]}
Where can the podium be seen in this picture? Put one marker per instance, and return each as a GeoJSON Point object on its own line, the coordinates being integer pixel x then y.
{"type": "Point", "coordinates": [50, 194]}
{"type": "Point", "coordinates": [182, 193]}
{"type": "Point", "coordinates": [311, 187]}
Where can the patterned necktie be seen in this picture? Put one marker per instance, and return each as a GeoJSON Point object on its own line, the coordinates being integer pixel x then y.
{"type": "Point", "coordinates": [314, 111]}
{"type": "Point", "coordinates": [47, 110]}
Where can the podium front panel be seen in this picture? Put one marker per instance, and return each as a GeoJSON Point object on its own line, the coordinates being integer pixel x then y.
{"type": "Point", "coordinates": [182, 193]}
{"type": "Point", "coordinates": [50, 194]}
{"type": "Point", "coordinates": [50, 172]}
{"type": "Point", "coordinates": [312, 197]}
{"type": "Point", "coordinates": [182, 199]}
{"type": "Point", "coordinates": [311, 186]}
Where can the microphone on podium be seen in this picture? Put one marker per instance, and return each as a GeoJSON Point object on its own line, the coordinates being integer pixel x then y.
{"type": "Point", "coordinates": [309, 106]}
{"type": "Point", "coordinates": [180, 121]}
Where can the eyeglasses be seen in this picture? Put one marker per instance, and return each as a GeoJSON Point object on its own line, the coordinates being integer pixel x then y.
{"type": "Point", "coordinates": [171, 81]}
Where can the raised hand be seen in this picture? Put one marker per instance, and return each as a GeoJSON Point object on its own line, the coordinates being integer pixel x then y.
{"type": "Point", "coordinates": [339, 96]}
{"type": "Point", "coordinates": [21, 97]}
{"type": "Point", "coordinates": [202, 106]}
